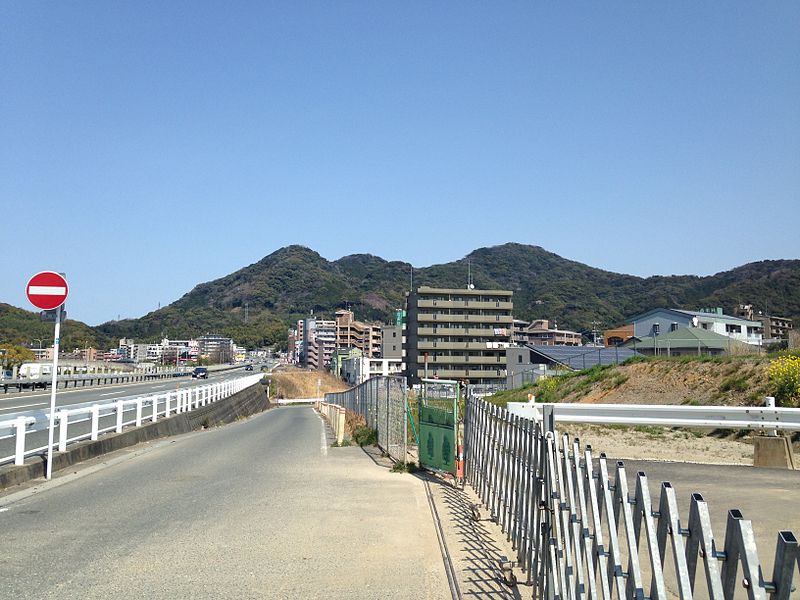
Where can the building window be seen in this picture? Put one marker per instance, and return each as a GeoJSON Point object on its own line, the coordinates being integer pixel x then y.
{"type": "Point", "coordinates": [519, 358]}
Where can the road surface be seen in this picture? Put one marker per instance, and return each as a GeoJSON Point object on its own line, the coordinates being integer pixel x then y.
{"type": "Point", "coordinates": [262, 508]}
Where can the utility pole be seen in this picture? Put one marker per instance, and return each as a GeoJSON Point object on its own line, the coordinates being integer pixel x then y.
{"type": "Point", "coordinates": [595, 326]}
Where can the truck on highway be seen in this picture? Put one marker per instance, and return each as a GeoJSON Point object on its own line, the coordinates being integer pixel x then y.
{"type": "Point", "coordinates": [35, 370]}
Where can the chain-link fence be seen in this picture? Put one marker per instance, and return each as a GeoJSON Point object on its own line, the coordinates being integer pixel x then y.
{"type": "Point", "coordinates": [383, 402]}
{"type": "Point", "coordinates": [580, 531]}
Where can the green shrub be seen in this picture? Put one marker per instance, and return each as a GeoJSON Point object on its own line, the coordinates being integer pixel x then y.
{"type": "Point", "coordinates": [365, 436]}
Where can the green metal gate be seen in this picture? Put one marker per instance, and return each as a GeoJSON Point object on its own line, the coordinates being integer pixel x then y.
{"type": "Point", "coordinates": [438, 418]}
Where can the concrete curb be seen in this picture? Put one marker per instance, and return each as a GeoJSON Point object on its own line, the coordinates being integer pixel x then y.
{"type": "Point", "coordinates": [242, 404]}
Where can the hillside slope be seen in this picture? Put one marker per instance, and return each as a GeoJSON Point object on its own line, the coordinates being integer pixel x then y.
{"type": "Point", "coordinates": [18, 326]}
{"type": "Point", "coordinates": [731, 381]}
{"type": "Point", "coordinates": [295, 280]}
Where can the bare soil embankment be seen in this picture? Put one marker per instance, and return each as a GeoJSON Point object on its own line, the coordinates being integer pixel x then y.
{"type": "Point", "coordinates": [290, 382]}
{"type": "Point", "coordinates": [732, 381]}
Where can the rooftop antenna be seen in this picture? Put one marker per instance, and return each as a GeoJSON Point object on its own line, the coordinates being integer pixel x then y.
{"type": "Point", "coordinates": [411, 270]}
{"type": "Point", "coordinates": [470, 285]}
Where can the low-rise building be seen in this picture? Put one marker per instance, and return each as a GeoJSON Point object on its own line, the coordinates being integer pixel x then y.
{"type": "Point", "coordinates": [665, 320]}
{"type": "Point", "coordinates": [775, 327]}
{"type": "Point", "coordinates": [540, 332]}
{"type": "Point", "coordinates": [618, 336]}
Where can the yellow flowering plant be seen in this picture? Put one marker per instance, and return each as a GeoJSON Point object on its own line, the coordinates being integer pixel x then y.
{"type": "Point", "coordinates": [784, 375]}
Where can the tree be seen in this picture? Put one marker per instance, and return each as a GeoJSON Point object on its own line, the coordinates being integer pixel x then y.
{"type": "Point", "coordinates": [12, 355]}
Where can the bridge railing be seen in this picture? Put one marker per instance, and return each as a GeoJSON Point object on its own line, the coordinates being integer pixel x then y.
{"type": "Point", "coordinates": [91, 419]}
{"type": "Point", "coordinates": [383, 402]}
{"type": "Point", "coordinates": [579, 531]}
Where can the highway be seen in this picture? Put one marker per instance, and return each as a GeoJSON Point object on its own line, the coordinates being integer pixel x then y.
{"type": "Point", "coordinates": [262, 508]}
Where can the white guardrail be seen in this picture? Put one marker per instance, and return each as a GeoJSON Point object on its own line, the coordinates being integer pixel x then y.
{"type": "Point", "coordinates": [727, 417]}
{"type": "Point", "coordinates": [147, 408]}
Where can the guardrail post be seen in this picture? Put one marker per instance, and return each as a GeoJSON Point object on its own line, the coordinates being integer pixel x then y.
{"type": "Point", "coordinates": [63, 425]}
{"type": "Point", "coordinates": [95, 420]}
{"type": "Point", "coordinates": [166, 405]}
{"type": "Point", "coordinates": [120, 415]}
{"type": "Point", "coordinates": [138, 412]}
{"type": "Point", "coordinates": [771, 404]}
{"type": "Point", "coordinates": [154, 418]}
{"type": "Point", "coordinates": [20, 423]}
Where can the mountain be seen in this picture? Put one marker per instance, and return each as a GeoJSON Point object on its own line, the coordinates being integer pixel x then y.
{"type": "Point", "coordinates": [18, 326]}
{"type": "Point", "coordinates": [295, 280]}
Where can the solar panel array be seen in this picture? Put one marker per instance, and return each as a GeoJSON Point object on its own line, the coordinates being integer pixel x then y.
{"type": "Point", "coordinates": [582, 357]}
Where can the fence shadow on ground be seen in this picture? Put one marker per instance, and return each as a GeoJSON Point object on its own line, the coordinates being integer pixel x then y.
{"type": "Point", "coordinates": [474, 552]}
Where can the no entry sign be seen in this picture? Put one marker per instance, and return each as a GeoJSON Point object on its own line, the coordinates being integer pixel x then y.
{"type": "Point", "coordinates": [47, 290]}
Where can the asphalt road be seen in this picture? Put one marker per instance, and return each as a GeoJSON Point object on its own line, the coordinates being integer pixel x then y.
{"type": "Point", "coordinates": [769, 498]}
{"type": "Point", "coordinates": [262, 508]}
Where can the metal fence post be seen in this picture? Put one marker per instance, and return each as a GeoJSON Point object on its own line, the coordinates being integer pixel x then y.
{"type": "Point", "coordinates": [20, 425]}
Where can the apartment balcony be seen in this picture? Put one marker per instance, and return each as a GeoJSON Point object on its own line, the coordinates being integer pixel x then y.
{"type": "Point", "coordinates": [424, 345]}
{"type": "Point", "coordinates": [491, 319]}
{"type": "Point", "coordinates": [473, 304]}
{"type": "Point", "coordinates": [463, 360]}
{"type": "Point", "coordinates": [485, 332]}
{"type": "Point", "coordinates": [466, 374]}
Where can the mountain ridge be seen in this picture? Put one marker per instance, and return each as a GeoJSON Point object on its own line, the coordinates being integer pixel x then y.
{"type": "Point", "coordinates": [257, 303]}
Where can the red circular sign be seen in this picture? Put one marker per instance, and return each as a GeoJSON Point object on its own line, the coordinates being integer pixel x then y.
{"type": "Point", "coordinates": [47, 290]}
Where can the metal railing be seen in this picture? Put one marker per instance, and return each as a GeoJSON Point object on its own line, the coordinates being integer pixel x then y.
{"type": "Point", "coordinates": [728, 417]}
{"type": "Point", "coordinates": [579, 533]}
{"type": "Point", "coordinates": [94, 419]}
{"type": "Point", "coordinates": [383, 402]}
{"type": "Point", "coordinates": [64, 381]}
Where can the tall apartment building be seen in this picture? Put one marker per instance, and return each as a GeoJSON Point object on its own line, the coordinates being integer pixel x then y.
{"type": "Point", "coordinates": [318, 342]}
{"type": "Point", "coordinates": [459, 333]}
{"type": "Point", "coordinates": [355, 334]}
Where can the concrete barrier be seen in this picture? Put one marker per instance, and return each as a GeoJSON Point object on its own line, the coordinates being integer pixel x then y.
{"type": "Point", "coordinates": [335, 415]}
{"type": "Point", "coordinates": [772, 451]}
{"type": "Point", "coordinates": [249, 401]}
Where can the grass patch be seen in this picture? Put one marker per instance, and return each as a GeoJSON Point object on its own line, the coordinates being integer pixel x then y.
{"type": "Point", "coordinates": [734, 383]}
{"type": "Point", "coordinates": [365, 436]}
{"type": "Point", "coordinates": [649, 429]}
{"type": "Point", "coordinates": [405, 467]}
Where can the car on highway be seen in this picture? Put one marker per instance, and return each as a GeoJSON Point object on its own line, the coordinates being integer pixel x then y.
{"type": "Point", "coordinates": [200, 373]}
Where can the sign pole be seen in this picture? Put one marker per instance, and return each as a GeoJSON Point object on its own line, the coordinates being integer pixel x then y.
{"type": "Point", "coordinates": [56, 342]}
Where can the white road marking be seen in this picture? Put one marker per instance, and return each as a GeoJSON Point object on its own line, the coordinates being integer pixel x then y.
{"type": "Point", "coordinates": [25, 406]}
{"type": "Point", "coordinates": [108, 394]}
{"type": "Point", "coordinates": [3, 509]}
{"type": "Point", "coordinates": [323, 439]}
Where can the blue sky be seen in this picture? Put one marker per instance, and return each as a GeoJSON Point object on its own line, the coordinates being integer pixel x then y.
{"type": "Point", "coordinates": [151, 146]}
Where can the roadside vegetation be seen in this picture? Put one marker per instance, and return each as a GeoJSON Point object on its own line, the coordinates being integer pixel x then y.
{"type": "Point", "coordinates": [686, 380]}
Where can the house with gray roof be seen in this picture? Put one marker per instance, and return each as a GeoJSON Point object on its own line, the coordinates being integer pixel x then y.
{"type": "Point", "coordinates": [689, 341]}
{"type": "Point", "coordinates": [659, 321]}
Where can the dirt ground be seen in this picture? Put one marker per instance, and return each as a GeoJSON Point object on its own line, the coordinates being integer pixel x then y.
{"type": "Point", "coordinates": [289, 382]}
{"type": "Point", "coordinates": [660, 443]}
